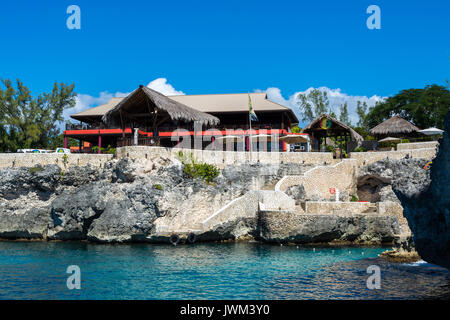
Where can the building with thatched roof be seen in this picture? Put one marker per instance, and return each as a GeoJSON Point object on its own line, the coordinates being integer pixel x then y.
{"type": "Point", "coordinates": [157, 116]}
{"type": "Point", "coordinates": [144, 108]}
{"type": "Point", "coordinates": [394, 127]}
{"type": "Point", "coordinates": [325, 126]}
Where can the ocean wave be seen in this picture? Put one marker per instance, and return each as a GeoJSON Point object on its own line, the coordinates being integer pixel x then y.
{"type": "Point", "coordinates": [417, 263]}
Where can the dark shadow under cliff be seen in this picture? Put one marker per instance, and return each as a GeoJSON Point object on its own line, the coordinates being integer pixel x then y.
{"type": "Point", "coordinates": [428, 213]}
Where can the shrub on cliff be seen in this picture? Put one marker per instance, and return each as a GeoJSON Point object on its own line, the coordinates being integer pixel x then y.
{"type": "Point", "coordinates": [36, 169]}
{"type": "Point", "coordinates": [206, 172]}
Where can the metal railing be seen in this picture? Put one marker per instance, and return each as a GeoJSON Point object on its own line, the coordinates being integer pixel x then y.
{"type": "Point", "coordinates": [142, 141]}
{"type": "Point", "coordinates": [84, 126]}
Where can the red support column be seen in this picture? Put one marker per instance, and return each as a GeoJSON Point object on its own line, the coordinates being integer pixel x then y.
{"type": "Point", "coordinates": [99, 144]}
{"type": "Point", "coordinates": [65, 142]}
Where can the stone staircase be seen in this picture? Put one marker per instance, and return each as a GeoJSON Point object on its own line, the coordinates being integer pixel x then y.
{"type": "Point", "coordinates": [274, 200]}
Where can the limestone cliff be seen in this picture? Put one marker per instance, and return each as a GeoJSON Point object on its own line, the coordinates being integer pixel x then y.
{"type": "Point", "coordinates": [127, 200]}
{"type": "Point", "coordinates": [428, 210]}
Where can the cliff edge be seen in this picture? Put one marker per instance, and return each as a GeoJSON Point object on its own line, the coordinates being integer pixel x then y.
{"type": "Point", "coordinates": [428, 210]}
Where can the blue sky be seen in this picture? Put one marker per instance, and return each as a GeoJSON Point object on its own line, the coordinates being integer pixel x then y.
{"type": "Point", "coordinates": [227, 46]}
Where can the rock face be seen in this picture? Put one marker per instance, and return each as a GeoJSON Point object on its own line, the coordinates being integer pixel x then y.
{"type": "Point", "coordinates": [376, 179]}
{"type": "Point", "coordinates": [124, 201]}
{"type": "Point", "coordinates": [133, 200]}
{"type": "Point", "coordinates": [427, 207]}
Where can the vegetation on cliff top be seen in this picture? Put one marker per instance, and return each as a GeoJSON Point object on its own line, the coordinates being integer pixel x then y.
{"type": "Point", "coordinates": [206, 172]}
{"type": "Point", "coordinates": [425, 108]}
{"type": "Point", "coordinates": [32, 122]}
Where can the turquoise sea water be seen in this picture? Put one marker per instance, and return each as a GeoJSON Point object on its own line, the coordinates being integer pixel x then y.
{"type": "Point", "coordinates": [33, 270]}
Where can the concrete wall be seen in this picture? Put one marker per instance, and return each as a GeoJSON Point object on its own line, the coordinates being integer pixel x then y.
{"type": "Point", "coordinates": [218, 158]}
{"type": "Point", "coordinates": [295, 227]}
{"type": "Point", "coordinates": [31, 160]}
{"type": "Point", "coordinates": [390, 208]}
{"type": "Point", "coordinates": [224, 158]}
{"type": "Point", "coordinates": [313, 207]}
{"type": "Point", "coordinates": [275, 200]}
{"type": "Point", "coordinates": [242, 207]}
{"type": "Point", "coordinates": [417, 145]}
{"type": "Point", "coordinates": [365, 158]}
{"type": "Point", "coordinates": [248, 206]}
{"type": "Point", "coordinates": [319, 180]}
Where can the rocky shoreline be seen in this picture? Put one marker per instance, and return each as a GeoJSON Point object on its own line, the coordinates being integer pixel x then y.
{"type": "Point", "coordinates": [134, 200]}
{"type": "Point", "coordinates": [125, 201]}
{"type": "Point", "coordinates": [121, 202]}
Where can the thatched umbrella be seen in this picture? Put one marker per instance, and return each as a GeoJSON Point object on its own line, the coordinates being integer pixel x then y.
{"type": "Point", "coordinates": [294, 138]}
{"type": "Point", "coordinates": [147, 103]}
{"type": "Point", "coordinates": [395, 126]}
{"type": "Point", "coordinates": [355, 136]}
{"type": "Point", "coordinates": [326, 126]}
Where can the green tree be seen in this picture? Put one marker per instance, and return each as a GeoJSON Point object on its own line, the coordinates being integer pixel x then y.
{"type": "Point", "coordinates": [343, 116]}
{"type": "Point", "coordinates": [424, 107]}
{"type": "Point", "coordinates": [296, 129]}
{"type": "Point", "coordinates": [361, 110]}
{"type": "Point", "coordinates": [28, 122]}
{"type": "Point", "coordinates": [313, 104]}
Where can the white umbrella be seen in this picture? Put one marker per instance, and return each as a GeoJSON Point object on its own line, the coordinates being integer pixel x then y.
{"type": "Point", "coordinates": [389, 139]}
{"type": "Point", "coordinates": [230, 137]}
{"type": "Point", "coordinates": [263, 136]}
{"type": "Point", "coordinates": [431, 131]}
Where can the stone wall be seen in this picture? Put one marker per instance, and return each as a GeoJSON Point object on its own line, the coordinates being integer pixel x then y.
{"type": "Point", "coordinates": [242, 207]}
{"type": "Point", "coordinates": [329, 207]}
{"type": "Point", "coordinates": [9, 160]}
{"type": "Point", "coordinates": [417, 145]}
{"type": "Point", "coordinates": [248, 206]}
{"type": "Point", "coordinates": [390, 208]}
{"type": "Point", "coordinates": [365, 158]}
{"type": "Point", "coordinates": [218, 158]}
{"type": "Point", "coordinates": [225, 158]}
{"type": "Point", "coordinates": [318, 181]}
{"type": "Point", "coordinates": [275, 200]}
{"type": "Point", "coordinates": [294, 227]}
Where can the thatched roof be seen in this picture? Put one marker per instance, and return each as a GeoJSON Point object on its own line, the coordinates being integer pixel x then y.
{"type": "Point", "coordinates": [233, 102]}
{"type": "Point", "coordinates": [394, 125]}
{"type": "Point", "coordinates": [208, 103]}
{"type": "Point", "coordinates": [143, 97]}
{"type": "Point", "coordinates": [99, 110]}
{"type": "Point", "coordinates": [353, 134]}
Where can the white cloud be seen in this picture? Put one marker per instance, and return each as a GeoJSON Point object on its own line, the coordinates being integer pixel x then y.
{"type": "Point", "coordinates": [163, 87]}
{"type": "Point", "coordinates": [86, 101]}
{"type": "Point", "coordinates": [335, 96]}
